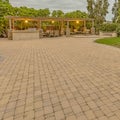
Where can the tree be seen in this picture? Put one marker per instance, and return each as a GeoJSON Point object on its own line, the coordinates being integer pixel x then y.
{"type": "Point", "coordinates": [90, 8]}
{"type": "Point", "coordinates": [5, 9]}
{"type": "Point", "coordinates": [7, 1]}
{"type": "Point", "coordinates": [43, 12]}
{"type": "Point", "coordinates": [76, 14]}
{"type": "Point", "coordinates": [115, 10]}
{"type": "Point", "coordinates": [117, 20]}
{"type": "Point", "coordinates": [98, 10]}
{"type": "Point", "coordinates": [57, 13]}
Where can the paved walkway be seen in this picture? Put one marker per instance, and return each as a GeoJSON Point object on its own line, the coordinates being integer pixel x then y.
{"type": "Point", "coordinates": [59, 79]}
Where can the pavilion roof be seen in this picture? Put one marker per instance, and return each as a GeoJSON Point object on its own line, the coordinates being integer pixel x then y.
{"type": "Point", "coordinates": [48, 18]}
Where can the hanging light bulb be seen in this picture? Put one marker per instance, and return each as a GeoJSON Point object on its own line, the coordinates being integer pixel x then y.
{"type": "Point", "coordinates": [77, 22]}
{"type": "Point", "coordinates": [53, 21]}
{"type": "Point", "coordinates": [26, 21]}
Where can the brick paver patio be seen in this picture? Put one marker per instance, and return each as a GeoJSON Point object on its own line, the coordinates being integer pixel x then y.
{"type": "Point", "coordinates": [59, 79]}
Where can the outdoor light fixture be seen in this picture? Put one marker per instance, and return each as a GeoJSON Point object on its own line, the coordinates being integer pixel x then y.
{"type": "Point", "coordinates": [26, 21]}
{"type": "Point", "coordinates": [77, 21]}
{"type": "Point", "coordinates": [53, 21]}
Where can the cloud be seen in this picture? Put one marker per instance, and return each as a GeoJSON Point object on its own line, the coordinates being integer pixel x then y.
{"type": "Point", "coordinates": [110, 15]}
{"type": "Point", "coordinates": [65, 5]}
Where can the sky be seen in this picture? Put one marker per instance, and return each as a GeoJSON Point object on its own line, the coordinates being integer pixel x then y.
{"type": "Point", "coordinates": [64, 5]}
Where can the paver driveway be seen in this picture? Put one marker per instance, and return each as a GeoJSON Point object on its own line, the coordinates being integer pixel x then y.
{"type": "Point", "coordinates": [59, 79]}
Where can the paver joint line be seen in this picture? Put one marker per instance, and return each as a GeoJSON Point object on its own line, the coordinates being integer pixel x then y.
{"type": "Point", "coordinates": [59, 79]}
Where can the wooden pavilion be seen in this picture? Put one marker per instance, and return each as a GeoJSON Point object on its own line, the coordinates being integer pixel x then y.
{"type": "Point", "coordinates": [37, 32]}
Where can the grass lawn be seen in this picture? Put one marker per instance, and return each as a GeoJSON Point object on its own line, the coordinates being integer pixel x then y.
{"type": "Point", "coordinates": [110, 41]}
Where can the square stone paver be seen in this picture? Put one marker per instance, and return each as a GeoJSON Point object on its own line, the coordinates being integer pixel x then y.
{"type": "Point", "coordinates": [63, 78]}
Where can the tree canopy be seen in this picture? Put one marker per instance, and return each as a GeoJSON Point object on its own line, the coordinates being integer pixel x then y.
{"type": "Point", "coordinates": [98, 10]}
{"type": "Point", "coordinates": [76, 14]}
{"type": "Point", "coordinates": [116, 11]}
{"type": "Point", "coordinates": [57, 13]}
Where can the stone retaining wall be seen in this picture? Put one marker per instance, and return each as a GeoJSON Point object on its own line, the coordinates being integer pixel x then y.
{"type": "Point", "coordinates": [111, 34]}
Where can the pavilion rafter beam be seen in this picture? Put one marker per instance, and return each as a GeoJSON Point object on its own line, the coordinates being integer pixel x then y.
{"type": "Point", "coordinates": [47, 18]}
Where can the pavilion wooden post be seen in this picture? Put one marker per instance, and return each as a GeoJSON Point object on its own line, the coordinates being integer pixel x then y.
{"type": "Point", "coordinates": [13, 24]}
{"type": "Point", "coordinates": [92, 23]}
{"type": "Point", "coordinates": [40, 24]}
{"type": "Point", "coordinates": [67, 29]}
{"type": "Point", "coordinates": [92, 28]}
{"type": "Point", "coordinates": [10, 24]}
{"type": "Point", "coordinates": [10, 30]}
{"type": "Point", "coordinates": [62, 28]}
{"type": "Point", "coordinates": [21, 25]}
{"type": "Point", "coordinates": [57, 33]}
{"type": "Point", "coordinates": [85, 26]}
{"type": "Point", "coordinates": [40, 30]}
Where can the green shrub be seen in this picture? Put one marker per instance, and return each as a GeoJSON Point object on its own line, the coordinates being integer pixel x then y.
{"type": "Point", "coordinates": [89, 25]}
{"type": "Point", "coordinates": [3, 27]}
{"type": "Point", "coordinates": [108, 27]}
{"type": "Point", "coordinates": [118, 30]}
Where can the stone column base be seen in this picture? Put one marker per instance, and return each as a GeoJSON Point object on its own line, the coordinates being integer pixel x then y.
{"type": "Point", "coordinates": [93, 31]}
